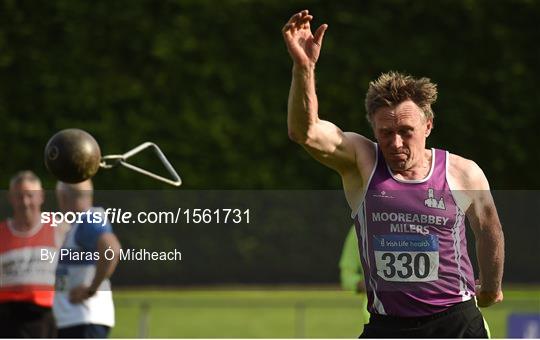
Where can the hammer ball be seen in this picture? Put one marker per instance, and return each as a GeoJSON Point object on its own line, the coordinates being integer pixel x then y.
{"type": "Point", "coordinates": [72, 155]}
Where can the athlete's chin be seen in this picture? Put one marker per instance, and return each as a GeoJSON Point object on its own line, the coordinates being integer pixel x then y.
{"type": "Point", "coordinates": [398, 164]}
{"type": "Point", "coordinates": [397, 167]}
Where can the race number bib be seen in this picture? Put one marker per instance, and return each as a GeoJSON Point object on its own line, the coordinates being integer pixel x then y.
{"type": "Point", "coordinates": [407, 258]}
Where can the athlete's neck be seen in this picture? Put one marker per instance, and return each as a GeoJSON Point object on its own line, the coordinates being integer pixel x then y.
{"type": "Point", "coordinates": [24, 223]}
{"type": "Point", "coordinates": [418, 170]}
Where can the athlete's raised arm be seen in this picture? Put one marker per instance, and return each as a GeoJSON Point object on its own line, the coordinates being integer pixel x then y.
{"type": "Point", "coordinates": [322, 139]}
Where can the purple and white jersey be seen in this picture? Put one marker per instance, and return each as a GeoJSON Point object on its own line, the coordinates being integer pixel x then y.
{"type": "Point", "coordinates": [411, 236]}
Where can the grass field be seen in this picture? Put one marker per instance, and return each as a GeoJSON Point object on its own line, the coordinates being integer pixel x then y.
{"type": "Point", "coordinates": [267, 313]}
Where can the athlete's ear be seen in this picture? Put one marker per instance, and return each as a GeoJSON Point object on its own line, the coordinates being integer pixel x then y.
{"type": "Point", "coordinates": [429, 126]}
{"type": "Point", "coordinates": [41, 197]}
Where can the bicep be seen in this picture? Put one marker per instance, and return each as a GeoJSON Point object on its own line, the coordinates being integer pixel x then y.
{"type": "Point", "coordinates": [482, 213]}
{"type": "Point", "coordinates": [334, 148]}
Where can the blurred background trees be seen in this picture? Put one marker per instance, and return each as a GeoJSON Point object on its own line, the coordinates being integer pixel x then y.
{"type": "Point", "coordinates": [208, 82]}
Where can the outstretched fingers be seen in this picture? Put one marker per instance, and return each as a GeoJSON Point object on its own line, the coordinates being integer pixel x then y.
{"type": "Point", "coordinates": [298, 21]}
{"type": "Point", "coordinates": [319, 34]}
{"type": "Point", "coordinates": [298, 15]}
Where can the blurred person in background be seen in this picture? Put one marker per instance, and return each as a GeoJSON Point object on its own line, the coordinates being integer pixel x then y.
{"type": "Point", "coordinates": [351, 272]}
{"type": "Point", "coordinates": [27, 280]}
{"type": "Point", "coordinates": [83, 305]}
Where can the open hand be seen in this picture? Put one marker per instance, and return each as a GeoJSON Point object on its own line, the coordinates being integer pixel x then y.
{"type": "Point", "coordinates": [303, 46]}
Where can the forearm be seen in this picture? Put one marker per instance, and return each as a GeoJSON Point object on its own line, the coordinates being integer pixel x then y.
{"type": "Point", "coordinates": [109, 251]}
{"type": "Point", "coordinates": [302, 103]}
{"type": "Point", "coordinates": [104, 269]}
{"type": "Point", "coordinates": [490, 253]}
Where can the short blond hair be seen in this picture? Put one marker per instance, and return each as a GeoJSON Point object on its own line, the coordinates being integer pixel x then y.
{"type": "Point", "coordinates": [392, 88]}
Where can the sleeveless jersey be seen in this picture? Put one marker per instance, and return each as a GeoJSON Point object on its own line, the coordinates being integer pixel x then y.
{"type": "Point", "coordinates": [24, 276]}
{"type": "Point", "coordinates": [411, 236]}
{"type": "Point", "coordinates": [76, 267]}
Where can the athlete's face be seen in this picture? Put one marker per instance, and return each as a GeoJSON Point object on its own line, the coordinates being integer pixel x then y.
{"type": "Point", "coordinates": [401, 132]}
{"type": "Point", "coordinates": [74, 197]}
{"type": "Point", "coordinates": [26, 199]}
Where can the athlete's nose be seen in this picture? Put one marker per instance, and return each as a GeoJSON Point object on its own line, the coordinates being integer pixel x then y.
{"type": "Point", "coordinates": [397, 141]}
{"type": "Point", "coordinates": [27, 199]}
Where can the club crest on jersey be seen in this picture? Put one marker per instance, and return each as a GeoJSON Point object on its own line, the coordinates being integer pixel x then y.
{"type": "Point", "coordinates": [432, 202]}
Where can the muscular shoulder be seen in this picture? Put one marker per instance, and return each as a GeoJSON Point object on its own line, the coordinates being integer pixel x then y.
{"type": "Point", "coordinates": [465, 174]}
{"type": "Point", "coordinates": [364, 149]}
{"type": "Point", "coordinates": [355, 177]}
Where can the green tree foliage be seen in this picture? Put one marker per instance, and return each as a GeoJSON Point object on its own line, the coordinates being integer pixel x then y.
{"type": "Point", "coordinates": [208, 82]}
